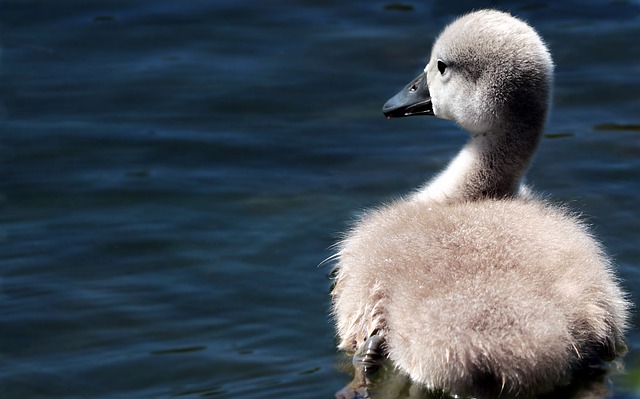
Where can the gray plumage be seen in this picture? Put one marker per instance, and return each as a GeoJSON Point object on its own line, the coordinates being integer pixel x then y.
{"type": "Point", "coordinates": [475, 285]}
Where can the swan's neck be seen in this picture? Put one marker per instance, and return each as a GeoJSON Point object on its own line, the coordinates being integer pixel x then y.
{"type": "Point", "coordinates": [488, 166]}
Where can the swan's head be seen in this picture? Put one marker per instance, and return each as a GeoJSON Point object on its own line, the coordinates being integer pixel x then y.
{"type": "Point", "coordinates": [486, 69]}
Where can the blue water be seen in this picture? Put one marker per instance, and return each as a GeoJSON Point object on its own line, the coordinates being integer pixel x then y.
{"type": "Point", "coordinates": [173, 172]}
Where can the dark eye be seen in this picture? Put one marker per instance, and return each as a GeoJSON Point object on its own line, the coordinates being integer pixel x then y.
{"type": "Point", "coordinates": [442, 67]}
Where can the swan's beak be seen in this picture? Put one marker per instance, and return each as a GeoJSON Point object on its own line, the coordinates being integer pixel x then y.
{"type": "Point", "coordinates": [414, 99]}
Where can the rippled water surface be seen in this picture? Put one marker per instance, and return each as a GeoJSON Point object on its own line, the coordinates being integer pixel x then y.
{"type": "Point", "coordinates": [174, 172]}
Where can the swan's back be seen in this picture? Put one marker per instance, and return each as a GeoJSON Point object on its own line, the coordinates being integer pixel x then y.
{"type": "Point", "coordinates": [508, 295]}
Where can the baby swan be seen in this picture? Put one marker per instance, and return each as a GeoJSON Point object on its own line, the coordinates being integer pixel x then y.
{"type": "Point", "coordinates": [471, 285]}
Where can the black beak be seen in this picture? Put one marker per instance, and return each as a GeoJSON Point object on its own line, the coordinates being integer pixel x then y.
{"type": "Point", "coordinates": [414, 99]}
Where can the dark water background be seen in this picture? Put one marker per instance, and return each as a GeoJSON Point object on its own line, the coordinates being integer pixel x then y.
{"type": "Point", "coordinates": [172, 172]}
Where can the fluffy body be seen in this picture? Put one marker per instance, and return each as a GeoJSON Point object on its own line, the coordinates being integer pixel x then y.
{"type": "Point", "coordinates": [505, 296]}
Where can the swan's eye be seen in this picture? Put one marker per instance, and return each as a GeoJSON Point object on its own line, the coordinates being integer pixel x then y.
{"type": "Point", "coordinates": [442, 67]}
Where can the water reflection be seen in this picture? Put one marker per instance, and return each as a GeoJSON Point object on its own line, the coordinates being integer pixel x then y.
{"type": "Point", "coordinates": [388, 383]}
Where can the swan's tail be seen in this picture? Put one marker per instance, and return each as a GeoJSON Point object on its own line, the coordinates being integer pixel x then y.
{"type": "Point", "coordinates": [499, 341]}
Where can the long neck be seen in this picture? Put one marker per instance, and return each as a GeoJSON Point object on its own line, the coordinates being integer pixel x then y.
{"type": "Point", "coordinates": [489, 166]}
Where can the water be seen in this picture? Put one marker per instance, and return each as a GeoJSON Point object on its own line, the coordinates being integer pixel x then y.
{"type": "Point", "coordinates": [173, 173]}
